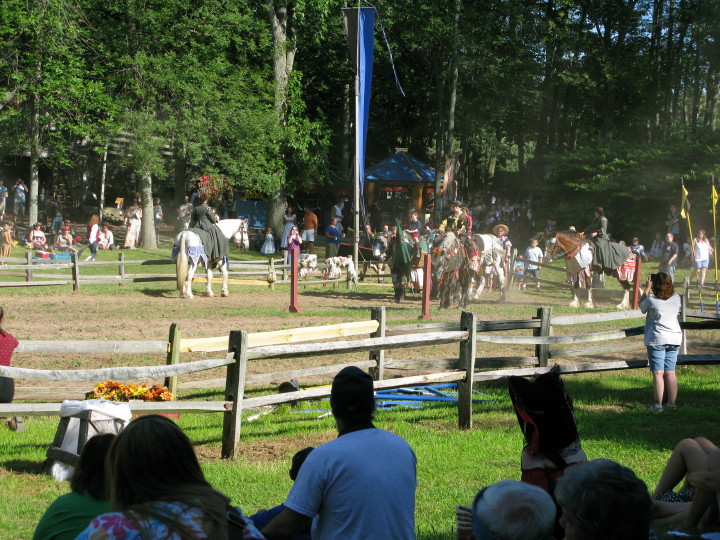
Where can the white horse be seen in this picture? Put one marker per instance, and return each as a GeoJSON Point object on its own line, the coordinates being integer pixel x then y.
{"type": "Point", "coordinates": [492, 254]}
{"type": "Point", "coordinates": [188, 253]}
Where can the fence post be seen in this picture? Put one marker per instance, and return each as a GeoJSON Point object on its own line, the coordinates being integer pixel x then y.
{"type": "Point", "coordinates": [378, 372]}
{"type": "Point", "coordinates": [468, 323]}
{"type": "Point", "coordinates": [683, 308]}
{"type": "Point", "coordinates": [121, 266]}
{"type": "Point", "coordinates": [427, 286]}
{"type": "Point", "coordinates": [29, 272]}
{"type": "Point", "coordinates": [542, 351]}
{"type": "Point", "coordinates": [234, 390]}
{"type": "Point", "coordinates": [636, 283]}
{"type": "Point", "coordinates": [293, 307]}
{"type": "Point", "coordinates": [76, 271]}
{"type": "Point", "coordinates": [271, 273]}
{"type": "Point", "coordinates": [173, 356]}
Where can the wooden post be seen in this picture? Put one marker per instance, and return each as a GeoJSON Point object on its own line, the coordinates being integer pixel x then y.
{"type": "Point", "coordinates": [293, 307]}
{"type": "Point", "coordinates": [121, 266]}
{"type": "Point", "coordinates": [637, 285]}
{"type": "Point", "coordinates": [543, 351]}
{"type": "Point", "coordinates": [468, 323]}
{"type": "Point", "coordinates": [234, 390]}
{"type": "Point", "coordinates": [173, 356]}
{"type": "Point", "coordinates": [683, 308]}
{"type": "Point", "coordinates": [76, 271]}
{"type": "Point", "coordinates": [29, 271]}
{"type": "Point", "coordinates": [427, 286]}
{"type": "Point", "coordinates": [378, 372]}
{"type": "Point", "coordinates": [271, 272]}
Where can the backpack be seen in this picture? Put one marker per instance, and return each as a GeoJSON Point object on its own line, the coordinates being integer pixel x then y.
{"type": "Point", "coordinates": [545, 413]}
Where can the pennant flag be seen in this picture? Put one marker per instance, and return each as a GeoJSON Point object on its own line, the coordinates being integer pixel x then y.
{"type": "Point", "coordinates": [685, 206]}
{"type": "Point", "coordinates": [714, 197]}
{"type": "Point", "coordinates": [359, 25]}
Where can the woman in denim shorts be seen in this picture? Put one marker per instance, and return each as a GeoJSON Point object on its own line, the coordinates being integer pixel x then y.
{"type": "Point", "coordinates": [662, 336]}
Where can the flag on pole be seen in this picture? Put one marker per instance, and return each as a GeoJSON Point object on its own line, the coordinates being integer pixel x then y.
{"type": "Point", "coordinates": [359, 25]}
{"type": "Point", "coordinates": [685, 206]}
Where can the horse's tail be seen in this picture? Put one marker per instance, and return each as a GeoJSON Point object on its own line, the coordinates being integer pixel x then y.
{"type": "Point", "coordinates": [181, 264]}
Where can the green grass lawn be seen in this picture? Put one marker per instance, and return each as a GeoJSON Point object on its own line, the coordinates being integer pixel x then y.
{"type": "Point", "coordinates": [452, 464]}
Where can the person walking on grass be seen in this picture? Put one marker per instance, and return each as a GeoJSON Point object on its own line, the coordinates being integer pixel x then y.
{"type": "Point", "coordinates": [662, 336]}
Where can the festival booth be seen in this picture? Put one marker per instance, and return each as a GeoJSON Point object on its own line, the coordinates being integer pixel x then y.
{"type": "Point", "coordinates": [400, 183]}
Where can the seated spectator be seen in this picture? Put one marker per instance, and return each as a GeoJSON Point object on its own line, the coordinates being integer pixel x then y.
{"type": "Point", "coordinates": [71, 513]}
{"type": "Point", "coordinates": [64, 240]}
{"type": "Point", "coordinates": [702, 513]}
{"type": "Point", "coordinates": [358, 486]}
{"type": "Point", "coordinates": [512, 510]}
{"type": "Point", "coordinates": [654, 253]}
{"type": "Point", "coordinates": [262, 518]}
{"type": "Point", "coordinates": [157, 490]}
{"type": "Point", "coordinates": [106, 239]}
{"type": "Point", "coordinates": [36, 238]}
{"type": "Point", "coordinates": [600, 500]}
{"type": "Point", "coordinates": [688, 456]}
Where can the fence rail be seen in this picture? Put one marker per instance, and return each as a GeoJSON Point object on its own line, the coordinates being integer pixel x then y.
{"type": "Point", "coordinates": [241, 348]}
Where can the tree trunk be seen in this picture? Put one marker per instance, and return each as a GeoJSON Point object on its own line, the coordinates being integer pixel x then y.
{"type": "Point", "coordinates": [147, 231]}
{"type": "Point", "coordinates": [103, 175]}
{"type": "Point", "coordinates": [276, 209]}
{"type": "Point", "coordinates": [31, 198]}
{"type": "Point", "coordinates": [180, 171]}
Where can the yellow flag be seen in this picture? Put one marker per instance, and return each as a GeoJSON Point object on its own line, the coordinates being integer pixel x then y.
{"type": "Point", "coordinates": [714, 196]}
{"type": "Point", "coordinates": [685, 203]}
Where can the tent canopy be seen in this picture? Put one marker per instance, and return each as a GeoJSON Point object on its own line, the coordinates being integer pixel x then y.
{"type": "Point", "coordinates": [401, 167]}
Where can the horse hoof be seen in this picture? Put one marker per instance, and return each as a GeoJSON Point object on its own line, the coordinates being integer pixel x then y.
{"type": "Point", "coordinates": [224, 294]}
{"type": "Point", "coordinates": [574, 304]}
{"type": "Point", "coordinates": [211, 295]}
{"type": "Point", "coordinates": [589, 305]}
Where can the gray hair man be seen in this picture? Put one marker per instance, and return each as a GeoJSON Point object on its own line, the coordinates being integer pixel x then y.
{"type": "Point", "coordinates": [512, 510]}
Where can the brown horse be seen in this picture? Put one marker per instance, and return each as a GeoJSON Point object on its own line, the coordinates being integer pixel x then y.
{"type": "Point", "coordinates": [581, 261]}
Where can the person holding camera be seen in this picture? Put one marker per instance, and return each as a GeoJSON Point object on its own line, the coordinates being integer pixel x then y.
{"type": "Point", "coordinates": [662, 336]}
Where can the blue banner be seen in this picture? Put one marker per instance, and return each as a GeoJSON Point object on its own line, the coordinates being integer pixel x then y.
{"type": "Point", "coordinates": [360, 24]}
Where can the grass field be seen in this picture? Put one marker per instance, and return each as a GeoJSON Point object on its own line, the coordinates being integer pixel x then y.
{"type": "Point", "coordinates": [452, 465]}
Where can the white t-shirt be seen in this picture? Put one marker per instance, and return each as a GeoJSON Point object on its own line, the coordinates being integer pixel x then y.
{"type": "Point", "coordinates": [533, 254]}
{"type": "Point", "coordinates": [702, 251]}
{"type": "Point", "coordinates": [661, 324]}
{"type": "Point", "coordinates": [360, 485]}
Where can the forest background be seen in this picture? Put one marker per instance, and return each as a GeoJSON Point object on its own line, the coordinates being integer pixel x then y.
{"type": "Point", "coordinates": [573, 103]}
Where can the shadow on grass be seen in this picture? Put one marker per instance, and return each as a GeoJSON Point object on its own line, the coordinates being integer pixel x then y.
{"type": "Point", "coordinates": [23, 466]}
{"type": "Point", "coordinates": [161, 293]}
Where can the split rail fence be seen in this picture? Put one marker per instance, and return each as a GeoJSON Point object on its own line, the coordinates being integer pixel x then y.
{"type": "Point", "coordinates": [33, 272]}
{"type": "Point", "coordinates": [241, 348]}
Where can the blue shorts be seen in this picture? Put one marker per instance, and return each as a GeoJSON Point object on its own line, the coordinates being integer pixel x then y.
{"type": "Point", "coordinates": [662, 357]}
{"type": "Point", "coordinates": [701, 264]}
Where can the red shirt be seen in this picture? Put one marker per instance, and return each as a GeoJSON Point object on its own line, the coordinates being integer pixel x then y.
{"type": "Point", "coordinates": [7, 346]}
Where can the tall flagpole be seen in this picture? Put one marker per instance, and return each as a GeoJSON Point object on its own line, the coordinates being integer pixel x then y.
{"type": "Point", "coordinates": [358, 135]}
{"type": "Point", "coordinates": [714, 197]}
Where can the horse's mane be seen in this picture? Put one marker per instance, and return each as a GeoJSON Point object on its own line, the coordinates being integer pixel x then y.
{"type": "Point", "coordinates": [447, 241]}
{"type": "Point", "coordinates": [574, 235]}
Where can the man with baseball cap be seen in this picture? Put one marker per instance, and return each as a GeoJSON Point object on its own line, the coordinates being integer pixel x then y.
{"type": "Point", "coordinates": [358, 486]}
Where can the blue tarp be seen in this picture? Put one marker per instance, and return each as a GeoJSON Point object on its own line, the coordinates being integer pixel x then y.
{"type": "Point", "coordinates": [401, 167]}
{"type": "Point", "coordinates": [255, 211]}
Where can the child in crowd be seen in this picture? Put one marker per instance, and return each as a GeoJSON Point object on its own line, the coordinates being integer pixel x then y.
{"type": "Point", "coordinates": [268, 247]}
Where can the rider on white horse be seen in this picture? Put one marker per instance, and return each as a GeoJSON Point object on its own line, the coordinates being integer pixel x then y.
{"type": "Point", "coordinates": [202, 222]}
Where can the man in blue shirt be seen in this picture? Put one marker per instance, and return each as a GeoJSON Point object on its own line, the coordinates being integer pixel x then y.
{"type": "Point", "coordinates": [333, 239]}
{"type": "Point", "coordinates": [669, 253]}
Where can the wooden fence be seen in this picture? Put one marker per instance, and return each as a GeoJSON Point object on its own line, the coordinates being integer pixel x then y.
{"type": "Point", "coordinates": [34, 272]}
{"type": "Point", "coordinates": [241, 347]}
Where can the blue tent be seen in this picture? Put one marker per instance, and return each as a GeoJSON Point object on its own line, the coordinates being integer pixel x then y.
{"type": "Point", "coordinates": [400, 167]}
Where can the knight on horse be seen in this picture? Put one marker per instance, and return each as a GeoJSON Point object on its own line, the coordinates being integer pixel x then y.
{"type": "Point", "coordinates": [202, 222]}
{"type": "Point", "coordinates": [607, 256]}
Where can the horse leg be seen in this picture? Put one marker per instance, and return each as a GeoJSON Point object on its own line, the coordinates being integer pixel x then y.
{"type": "Point", "coordinates": [576, 285]}
{"type": "Point", "coordinates": [208, 289]}
{"type": "Point", "coordinates": [625, 304]}
{"type": "Point", "coordinates": [588, 285]}
{"type": "Point", "coordinates": [187, 291]}
{"type": "Point", "coordinates": [223, 269]}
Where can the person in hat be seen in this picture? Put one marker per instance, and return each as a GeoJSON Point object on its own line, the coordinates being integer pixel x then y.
{"type": "Point", "coordinates": [64, 241]}
{"type": "Point", "coordinates": [501, 231]}
{"type": "Point", "coordinates": [360, 485]}
{"type": "Point", "coordinates": [456, 222]}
